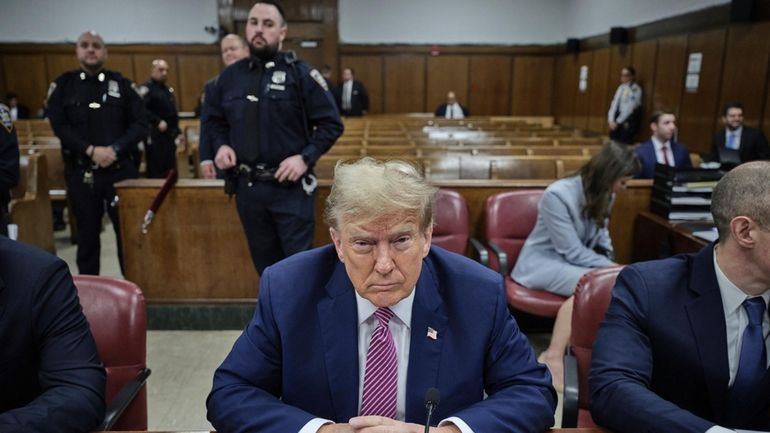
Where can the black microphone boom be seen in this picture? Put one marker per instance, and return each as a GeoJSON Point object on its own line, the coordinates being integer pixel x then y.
{"type": "Point", "coordinates": [432, 398]}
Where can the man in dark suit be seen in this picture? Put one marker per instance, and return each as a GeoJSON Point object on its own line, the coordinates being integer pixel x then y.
{"type": "Point", "coordinates": [51, 378]}
{"type": "Point", "coordinates": [661, 148]}
{"type": "Point", "coordinates": [351, 96]}
{"type": "Point", "coordinates": [452, 109]}
{"type": "Point", "coordinates": [683, 346]}
{"type": "Point", "coordinates": [18, 111]}
{"type": "Point", "coordinates": [380, 303]}
{"type": "Point", "coordinates": [736, 143]}
{"type": "Point", "coordinates": [9, 165]}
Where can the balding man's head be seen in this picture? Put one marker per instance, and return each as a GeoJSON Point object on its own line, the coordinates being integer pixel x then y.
{"type": "Point", "coordinates": [743, 192]}
{"type": "Point", "coordinates": [451, 98]}
{"type": "Point", "coordinates": [233, 48]}
{"type": "Point", "coordinates": [159, 71]}
{"type": "Point", "coordinates": [91, 51]}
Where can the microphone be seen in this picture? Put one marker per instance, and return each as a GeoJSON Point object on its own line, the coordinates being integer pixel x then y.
{"type": "Point", "coordinates": [432, 398]}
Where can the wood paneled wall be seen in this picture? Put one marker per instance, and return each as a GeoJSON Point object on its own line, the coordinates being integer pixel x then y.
{"type": "Point", "coordinates": [28, 69]}
{"type": "Point", "coordinates": [489, 81]}
{"type": "Point", "coordinates": [735, 66]}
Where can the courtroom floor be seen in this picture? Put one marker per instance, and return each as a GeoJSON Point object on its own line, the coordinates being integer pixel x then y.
{"type": "Point", "coordinates": [183, 362]}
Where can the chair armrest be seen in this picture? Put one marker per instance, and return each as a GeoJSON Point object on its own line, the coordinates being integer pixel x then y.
{"type": "Point", "coordinates": [569, 415]}
{"type": "Point", "coordinates": [481, 250]}
{"type": "Point", "coordinates": [502, 258]}
{"type": "Point", "coordinates": [123, 398]}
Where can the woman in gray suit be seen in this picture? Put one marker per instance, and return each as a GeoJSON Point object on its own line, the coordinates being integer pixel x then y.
{"type": "Point", "coordinates": [571, 238]}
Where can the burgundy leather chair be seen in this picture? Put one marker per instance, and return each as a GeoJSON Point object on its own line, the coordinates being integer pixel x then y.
{"type": "Point", "coordinates": [116, 311]}
{"type": "Point", "coordinates": [451, 230]}
{"type": "Point", "coordinates": [592, 297]}
{"type": "Point", "coordinates": [510, 217]}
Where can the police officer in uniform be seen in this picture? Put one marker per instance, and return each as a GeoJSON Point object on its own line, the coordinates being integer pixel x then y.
{"type": "Point", "coordinates": [163, 118]}
{"type": "Point", "coordinates": [233, 48]}
{"type": "Point", "coordinates": [625, 111]}
{"type": "Point", "coordinates": [99, 118]}
{"type": "Point", "coordinates": [271, 117]}
{"type": "Point", "coordinates": [9, 164]}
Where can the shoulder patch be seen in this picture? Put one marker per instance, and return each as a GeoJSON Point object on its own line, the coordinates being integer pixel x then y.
{"type": "Point", "coordinates": [5, 118]}
{"type": "Point", "coordinates": [140, 90]}
{"type": "Point", "coordinates": [319, 79]}
{"type": "Point", "coordinates": [51, 88]}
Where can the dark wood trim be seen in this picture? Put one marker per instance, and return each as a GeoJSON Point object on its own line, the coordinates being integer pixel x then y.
{"type": "Point", "coordinates": [34, 48]}
{"type": "Point", "coordinates": [383, 49]}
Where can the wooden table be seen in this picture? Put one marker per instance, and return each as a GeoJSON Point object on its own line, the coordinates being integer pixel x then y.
{"type": "Point", "coordinates": [656, 238]}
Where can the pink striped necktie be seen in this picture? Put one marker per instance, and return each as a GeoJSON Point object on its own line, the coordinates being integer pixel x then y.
{"type": "Point", "coordinates": [381, 375]}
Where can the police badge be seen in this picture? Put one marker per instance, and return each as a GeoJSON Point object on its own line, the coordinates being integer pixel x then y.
{"type": "Point", "coordinates": [279, 77]}
{"type": "Point", "coordinates": [113, 89]}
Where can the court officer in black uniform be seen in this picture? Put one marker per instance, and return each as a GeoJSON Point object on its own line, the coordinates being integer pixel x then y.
{"type": "Point", "coordinates": [9, 164]}
{"type": "Point", "coordinates": [99, 118]}
{"type": "Point", "coordinates": [162, 115]}
{"type": "Point", "coordinates": [271, 117]}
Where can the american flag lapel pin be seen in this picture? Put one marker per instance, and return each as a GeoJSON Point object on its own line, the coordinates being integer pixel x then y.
{"type": "Point", "coordinates": [432, 333]}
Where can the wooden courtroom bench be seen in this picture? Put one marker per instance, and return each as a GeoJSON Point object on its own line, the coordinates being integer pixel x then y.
{"type": "Point", "coordinates": [30, 206]}
{"type": "Point", "coordinates": [195, 250]}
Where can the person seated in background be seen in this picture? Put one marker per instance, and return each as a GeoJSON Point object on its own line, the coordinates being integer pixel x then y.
{"type": "Point", "coordinates": [662, 148]}
{"type": "Point", "coordinates": [571, 238]}
{"type": "Point", "coordinates": [18, 111]}
{"type": "Point", "coordinates": [51, 379]}
{"type": "Point", "coordinates": [452, 109]}
{"type": "Point", "coordinates": [736, 143]}
{"type": "Point", "coordinates": [683, 346]}
{"type": "Point", "coordinates": [354, 333]}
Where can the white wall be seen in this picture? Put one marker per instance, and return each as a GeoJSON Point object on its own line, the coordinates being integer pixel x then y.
{"type": "Point", "coordinates": [504, 22]}
{"type": "Point", "coordinates": [126, 21]}
{"type": "Point", "coordinates": [497, 21]}
{"type": "Point", "coordinates": [451, 21]}
{"type": "Point", "coordinates": [593, 17]}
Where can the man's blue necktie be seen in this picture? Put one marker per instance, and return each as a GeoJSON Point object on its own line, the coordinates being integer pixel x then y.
{"type": "Point", "coordinates": [731, 144]}
{"type": "Point", "coordinates": [753, 361]}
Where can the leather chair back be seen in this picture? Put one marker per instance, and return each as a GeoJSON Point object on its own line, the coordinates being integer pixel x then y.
{"type": "Point", "coordinates": [592, 297]}
{"type": "Point", "coordinates": [116, 311]}
{"type": "Point", "coordinates": [510, 217]}
{"type": "Point", "coordinates": [451, 230]}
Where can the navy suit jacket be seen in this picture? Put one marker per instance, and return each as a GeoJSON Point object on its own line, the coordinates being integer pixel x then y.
{"type": "Point", "coordinates": [660, 357]}
{"type": "Point", "coordinates": [51, 378]}
{"type": "Point", "coordinates": [441, 110]}
{"type": "Point", "coordinates": [753, 145]}
{"type": "Point", "coordinates": [646, 154]}
{"type": "Point", "coordinates": [359, 99]}
{"type": "Point", "coordinates": [298, 358]}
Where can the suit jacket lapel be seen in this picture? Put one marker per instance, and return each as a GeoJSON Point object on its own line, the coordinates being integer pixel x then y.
{"type": "Point", "coordinates": [424, 350]}
{"type": "Point", "coordinates": [707, 320]}
{"type": "Point", "coordinates": [338, 317]}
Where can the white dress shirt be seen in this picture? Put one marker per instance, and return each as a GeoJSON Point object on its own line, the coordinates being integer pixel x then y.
{"type": "Point", "coordinates": [737, 133]}
{"type": "Point", "coordinates": [14, 113]}
{"type": "Point", "coordinates": [659, 152]}
{"type": "Point", "coordinates": [400, 328]}
{"type": "Point", "coordinates": [347, 94]}
{"type": "Point", "coordinates": [454, 111]}
{"type": "Point", "coordinates": [627, 98]}
{"type": "Point", "coordinates": [735, 321]}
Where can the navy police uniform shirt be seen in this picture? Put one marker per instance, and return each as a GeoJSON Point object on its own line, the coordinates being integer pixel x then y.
{"type": "Point", "coordinates": [9, 155]}
{"type": "Point", "coordinates": [99, 110]}
{"type": "Point", "coordinates": [160, 102]}
{"type": "Point", "coordinates": [256, 108]}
